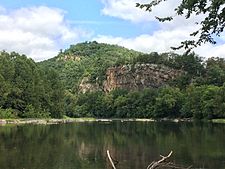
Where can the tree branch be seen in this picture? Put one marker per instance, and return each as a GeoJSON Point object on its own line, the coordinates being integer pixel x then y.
{"type": "Point", "coordinates": [110, 159]}
{"type": "Point", "coordinates": [162, 163]}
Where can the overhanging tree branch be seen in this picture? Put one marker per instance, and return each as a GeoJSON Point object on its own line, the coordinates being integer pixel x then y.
{"type": "Point", "coordinates": [211, 25]}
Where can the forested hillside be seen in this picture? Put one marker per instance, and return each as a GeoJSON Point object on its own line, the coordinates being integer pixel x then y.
{"type": "Point", "coordinates": [51, 88]}
{"type": "Point", "coordinates": [89, 59]}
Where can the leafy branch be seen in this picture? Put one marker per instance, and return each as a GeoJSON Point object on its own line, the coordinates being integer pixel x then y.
{"type": "Point", "coordinates": [211, 26]}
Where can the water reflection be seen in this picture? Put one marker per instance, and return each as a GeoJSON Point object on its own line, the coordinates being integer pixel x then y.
{"type": "Point", "coordinates": [134, 144]}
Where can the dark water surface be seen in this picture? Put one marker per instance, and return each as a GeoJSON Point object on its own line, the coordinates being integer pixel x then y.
{"type": "Point", "coordinates": [133, 144]}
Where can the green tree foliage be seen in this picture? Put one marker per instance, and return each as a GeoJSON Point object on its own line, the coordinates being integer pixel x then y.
{"type": "Point", "coordinates": [190, 63]}
{"type": "Point", "coordinates": [211, 25]}
{"type": "Point", "coordinates": [31, 112]}
{"type": "Point", "coordinates": [7, 114]}
{"type": "Point", "coordinates": [204, 102]}
{"type": "Point", "coordinates": [51, 88]}
{"type": "Point", "coordinates": [168, 103]}
{"type": "Point", "coordinates": [199, 102]}
{"type": "Point", "coordinates": [153, 57]}
{"type": "Point", "coordinates": [28, 90]}
{"type": "Point", "coordinates": [56, 94]}
{"type": "Point", "coordinates": [215, 71]}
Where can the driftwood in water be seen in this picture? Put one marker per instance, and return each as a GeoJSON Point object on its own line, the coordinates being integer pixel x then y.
{"type": "Point", "coordinates": [111, 160]}
{"type": "Point", "coordinates": [162, 163]}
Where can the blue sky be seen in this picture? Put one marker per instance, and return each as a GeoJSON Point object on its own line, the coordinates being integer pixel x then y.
{"type": "Point", "coordinates": [87, 15]}
{"type": "Point", "coordinates": [40, 28]}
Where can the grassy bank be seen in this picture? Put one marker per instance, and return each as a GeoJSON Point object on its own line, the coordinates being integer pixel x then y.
{"type": "Point", "coordinates": [218, 120]}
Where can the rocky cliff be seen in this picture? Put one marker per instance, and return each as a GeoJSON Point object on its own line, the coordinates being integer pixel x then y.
{"type": "Point", "coordinates": [138, 76]}
{"type": "Point", "coordinates": [86, 86]}
{"type": "Point", "coordinates": [132, 77]}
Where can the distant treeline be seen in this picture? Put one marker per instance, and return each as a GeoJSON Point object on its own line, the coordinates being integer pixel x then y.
{"type": "Point", "coordinates": [206, 101]}
{"type": "Point", "coordinates": [50, 88]}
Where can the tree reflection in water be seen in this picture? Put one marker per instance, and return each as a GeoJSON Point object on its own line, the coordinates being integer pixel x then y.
{"type": "Point", "coordinates": [134, 144]}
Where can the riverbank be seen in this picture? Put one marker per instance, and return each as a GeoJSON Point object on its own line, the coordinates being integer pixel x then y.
{"type": "Point", "coordinates": [218, 121]}
{"type": "Point", "coordinates": [63, 121]}
{"type": "Point", "coordinates": [44, 121]}
{"type": "Point", "coordinates": [73, 120]}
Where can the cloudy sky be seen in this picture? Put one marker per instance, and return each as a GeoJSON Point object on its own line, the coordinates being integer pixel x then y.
{"type": "Point", "coordinates": [40, 28]}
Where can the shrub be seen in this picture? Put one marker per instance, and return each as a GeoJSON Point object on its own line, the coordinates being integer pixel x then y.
{"type": "Point", "coordinates": [7, 114]}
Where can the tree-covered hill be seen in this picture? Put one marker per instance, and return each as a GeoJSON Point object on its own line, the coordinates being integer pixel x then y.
{"type": "Point", "coordinates": [198, 93]}
{"type": "Point", "coordinates": [89, 59]}
{"type": "Point", "coordinates": [50, 88]}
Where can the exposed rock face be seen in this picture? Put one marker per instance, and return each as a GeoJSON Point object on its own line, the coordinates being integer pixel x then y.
{"type": "Point", "coordinates": [138, 76]}
{"type": "Point", "coordinates": [86, 86]}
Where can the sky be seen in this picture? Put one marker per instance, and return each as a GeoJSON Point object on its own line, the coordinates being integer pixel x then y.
{"type": "Point", "coordinates": [40, 28]}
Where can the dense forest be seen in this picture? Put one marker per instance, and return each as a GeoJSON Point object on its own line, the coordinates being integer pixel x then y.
{"type": "Point", "coordinates": [51, 88]}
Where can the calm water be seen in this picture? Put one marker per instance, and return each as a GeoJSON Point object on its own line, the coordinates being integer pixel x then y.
{"type": "Point", "coordinates": [133, 144]}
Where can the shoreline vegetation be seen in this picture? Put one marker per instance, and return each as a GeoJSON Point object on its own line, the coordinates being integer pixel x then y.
{"type": "Point", "coordinates": [74, 120]}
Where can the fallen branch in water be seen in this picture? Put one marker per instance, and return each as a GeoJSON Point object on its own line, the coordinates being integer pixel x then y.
{"type": "Point", "coordinates": [110, 159]}
{"type": "Point", "coordinates": [165, 163]}
{"type": "Point", "coordinates": [162, 163]}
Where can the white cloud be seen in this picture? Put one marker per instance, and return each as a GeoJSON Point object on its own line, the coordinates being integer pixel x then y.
{"type": "Point", "coordinates": [208, 50]}
{"type": "Point", "coordinates": [126, 9]}
{"type": "Point", "coordinates": [169, 33]}
{"type": "Point", "coordinates": [161, 41]}
{"type": "Point", "coordinates": [39, 32]}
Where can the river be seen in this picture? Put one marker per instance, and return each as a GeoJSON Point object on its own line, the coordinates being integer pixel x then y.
{"type": "Point", "coordinates": [133, 144]}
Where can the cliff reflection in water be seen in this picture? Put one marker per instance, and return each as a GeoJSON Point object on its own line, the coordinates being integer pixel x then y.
{"type": "Point", "coordinates": [133, 144]}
